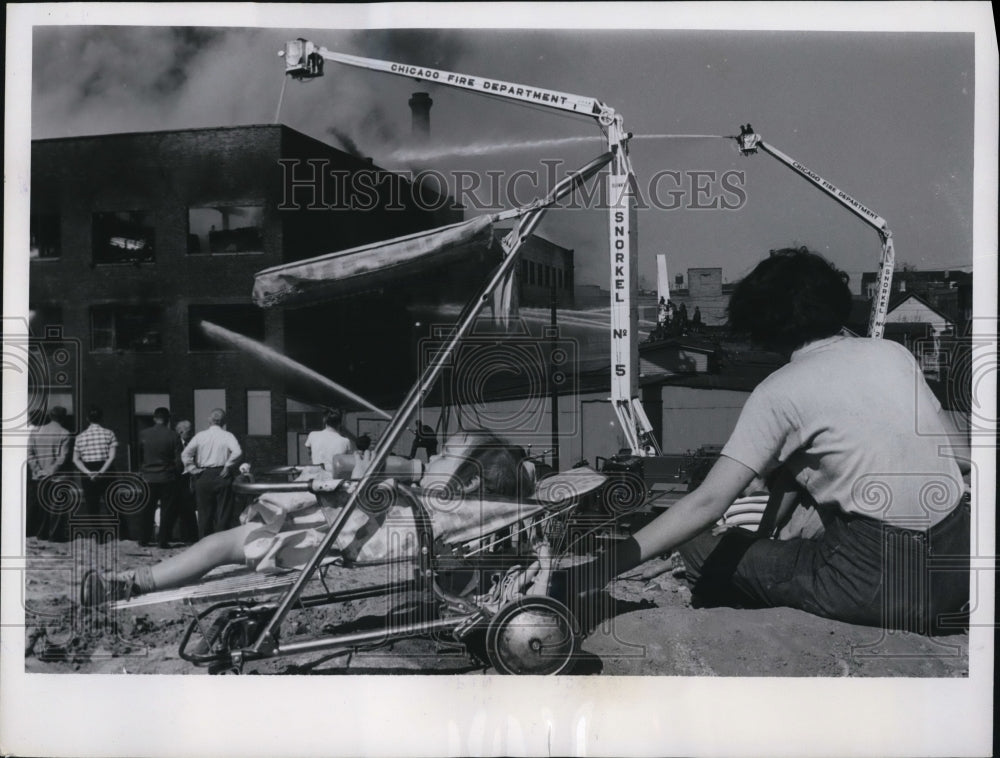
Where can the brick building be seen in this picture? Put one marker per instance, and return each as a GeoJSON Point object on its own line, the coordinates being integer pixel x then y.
{"type": "Point", "coordinates": [135, 238]}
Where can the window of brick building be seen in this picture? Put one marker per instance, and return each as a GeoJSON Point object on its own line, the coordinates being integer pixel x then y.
{"type": "Point", "coordinates": [259, 413]}
{"type": "Point", "coordinates": [123, 237]}
{"type": "Point", "coordinates": [300, 419]}
{"type": "Point", "coordinates": [244, 319]}
{"type": "Point", "coordinates": [43, 232]}
{"type": "Point", "coordinates": [206, 401]}
{"type": "Point", "coordinates": [221, 229]}
{"type": "Point", "coordinates": [135, 328]}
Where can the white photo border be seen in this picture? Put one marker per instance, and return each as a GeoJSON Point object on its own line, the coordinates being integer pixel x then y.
{"type": "Point", "coordinates": [305, 716]}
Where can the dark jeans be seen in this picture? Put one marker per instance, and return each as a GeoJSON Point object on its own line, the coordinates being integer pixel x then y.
{"type": "Point", "coordinates": [50, 503]}
{"type": "Point", "coordinates": [861, 570]}
{"type": "Point", "coordinates": [93, 490]}
{"type": "Point", "coordinates": [213, 493]}
{"type": "Point", "coordinates": [164, 494]}
{"type": "Point", "coordinates": [34, 516]}
{"type": "Point", "coordinates": [186, 522]}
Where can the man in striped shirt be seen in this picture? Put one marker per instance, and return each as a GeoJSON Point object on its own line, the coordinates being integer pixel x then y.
{"type": "Point", "coordinates": [93, 454]}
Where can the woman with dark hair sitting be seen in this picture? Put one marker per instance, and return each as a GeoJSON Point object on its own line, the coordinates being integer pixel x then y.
{"type": "Point", "coordinates": [852, 424]}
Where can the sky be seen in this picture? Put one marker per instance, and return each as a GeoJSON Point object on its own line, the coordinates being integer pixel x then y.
{"type": "Point", "coordinates": [886, 117]}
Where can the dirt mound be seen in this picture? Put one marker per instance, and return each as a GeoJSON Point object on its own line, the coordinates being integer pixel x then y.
{"type": "Point", "coordinates": [644, 624]}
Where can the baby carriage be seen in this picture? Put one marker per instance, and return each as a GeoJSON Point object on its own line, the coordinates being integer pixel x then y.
{"type": "Point", "coordinates": [480, 565]}
{"type": "Point", "coordinates": [469, 569]}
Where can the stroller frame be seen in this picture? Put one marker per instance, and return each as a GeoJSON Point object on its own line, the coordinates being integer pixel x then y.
{"type": "Point", "coordinates": [244, 632]}
{"type": "Point", "coordinates": [461, 618]}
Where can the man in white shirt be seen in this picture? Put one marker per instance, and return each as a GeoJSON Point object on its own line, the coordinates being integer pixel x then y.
{"type": "Point", "coordinates": [211, 456]}
{"type": "Point", "coordinates": [328, 442]}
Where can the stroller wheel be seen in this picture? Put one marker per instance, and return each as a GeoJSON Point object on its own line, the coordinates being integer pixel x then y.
{"type": "Point", "coordinates": [532, 635]}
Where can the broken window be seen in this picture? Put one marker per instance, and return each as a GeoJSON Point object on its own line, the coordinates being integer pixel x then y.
{"type": "Point", "coordinates": [136, 328]}
{"type": "Point", "coordinates": [123, 237]}
{"type": "Point", "coordinates": [221, 229]}
{"type": "Point", "coordinates": [43, 231]}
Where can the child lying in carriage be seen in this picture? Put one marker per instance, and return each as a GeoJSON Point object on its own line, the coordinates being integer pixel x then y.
{"type": "Point", "coordinates": [477, 485]}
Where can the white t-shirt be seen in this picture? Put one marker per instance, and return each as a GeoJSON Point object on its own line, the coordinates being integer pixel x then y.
{"type": "Point", "coordinates": [325, 444]}
{"type": "Point", "coordinates": [858, 427]}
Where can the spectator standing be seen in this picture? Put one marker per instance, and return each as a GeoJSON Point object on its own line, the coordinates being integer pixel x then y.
{"type": "Point", "coordinates": [48, 453]}
{"type": "Point", "coordinates": [328, 442]}
{"type": "Point", "coordinates": [159, 446]}
{"type": "Point", "coordinates": [93, 455]}
{"type": "Point", "coordinates": [210, 457]}
{"type": "Point", "coordinates": [682, 318]}
{"type": "Point", "coordinates": [696, 320]}
{"type": "Point", "coordinates": [187, 520]}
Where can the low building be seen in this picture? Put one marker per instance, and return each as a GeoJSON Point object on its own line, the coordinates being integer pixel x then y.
{"type": "Point", "coordinates": [545, 269]}
{"type": "Point", "coordinates": [911, 308]}
{"type": "Point", "coordinates": [683, 355]}
{"type": "Point", "coordinates": [948, 291]}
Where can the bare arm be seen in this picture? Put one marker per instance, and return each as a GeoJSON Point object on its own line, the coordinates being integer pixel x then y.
{"type": "Point", "coordinates": [112, 449]}
{"type": "Point", "coordinates": [78, 462]}
{"type": "Point", "coordinates": [697, 510]}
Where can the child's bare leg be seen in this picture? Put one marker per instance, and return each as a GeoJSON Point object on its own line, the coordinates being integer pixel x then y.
{"type": "Point", "coordinates": [215, 550]}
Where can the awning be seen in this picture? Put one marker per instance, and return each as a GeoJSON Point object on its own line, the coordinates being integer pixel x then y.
{"type": "Point", "coordinates": [347, 271]}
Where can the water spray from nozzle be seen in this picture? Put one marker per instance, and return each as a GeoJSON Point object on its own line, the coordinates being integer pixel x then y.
{"type": "Point", "coordinates": [475, 149]}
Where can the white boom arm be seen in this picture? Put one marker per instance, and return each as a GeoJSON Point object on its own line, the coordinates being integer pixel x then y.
{"type": "Point", "coordinates": [304, 60]}
{"type": "Point", "coordinates": [749, 142]}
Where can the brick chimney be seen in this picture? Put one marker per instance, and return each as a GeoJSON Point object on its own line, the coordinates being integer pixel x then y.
{"type": "Point", "coordinates": [420, 110]}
